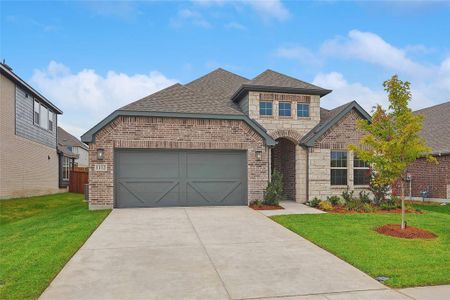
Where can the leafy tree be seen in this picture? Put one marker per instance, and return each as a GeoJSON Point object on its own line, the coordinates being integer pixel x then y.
{"type": "Point", "coordinates": [392, 141]}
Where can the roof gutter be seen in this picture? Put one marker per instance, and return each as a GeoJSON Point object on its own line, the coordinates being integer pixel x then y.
{"type": "Point", "coordinates": [89, 136]}
{"type": "Point", "coordinates": [18, 80]}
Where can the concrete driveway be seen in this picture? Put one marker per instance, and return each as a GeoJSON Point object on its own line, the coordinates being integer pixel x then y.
{"type": "Point", "coordinates": [206, 253]}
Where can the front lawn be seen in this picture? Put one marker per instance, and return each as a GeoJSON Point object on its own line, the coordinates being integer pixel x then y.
{"type": "Point", "coordinates": [38, 235]}
{"type": "Point", "coordinates": [406, 262]}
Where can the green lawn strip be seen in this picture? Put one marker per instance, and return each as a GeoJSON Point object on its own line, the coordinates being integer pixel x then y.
{"type": "Point", "coordinates": [443, 209]}
{"type": "Point", "coordinates": [352, 238]}
{"type": "Point", "coordinates": [37, 244]}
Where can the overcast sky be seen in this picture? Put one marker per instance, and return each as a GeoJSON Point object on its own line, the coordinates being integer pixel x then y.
{"type": "Point", "coordinates": [91, 58]}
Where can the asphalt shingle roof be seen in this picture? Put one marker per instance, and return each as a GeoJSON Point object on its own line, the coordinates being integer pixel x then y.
{"type": "Point", "coordinates": [436, 127]}
{"type": "Point", "coordinates": [275, 79]}
{"type": "Point", "coordinates": [66, 139]}
{"type": "Point", "coordinates": [181, 99]}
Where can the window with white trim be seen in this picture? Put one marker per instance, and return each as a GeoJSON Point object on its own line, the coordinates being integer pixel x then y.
{"type": "Point", "coordinates": [302, 110]}
{"type": "Point", "coordinates": [51, 120]}
{"type": "Point", "coordinates": [67, 162]}
{"type": "Point", "coordinates": [361, 171]}
{"type": "Point", "coordinates": [284, 109]}
{"type": "Point", "coordinates": [265, 108]}
{"type": "Point", "coordinates": [37, 112]}
{"type": "Point", "coordinates": [338, 168]}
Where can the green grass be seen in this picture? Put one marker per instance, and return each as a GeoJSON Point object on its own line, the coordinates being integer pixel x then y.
{"type": "Point", "coordinates": [406, 262]}
{"type": "Point", "coordinates": [38, 235]}
{"type": "Point", "coordinates": [443, 209]}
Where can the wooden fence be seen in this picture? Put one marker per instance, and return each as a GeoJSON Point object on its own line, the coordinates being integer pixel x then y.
{"type": "Point", "coordinates": [77, 180]}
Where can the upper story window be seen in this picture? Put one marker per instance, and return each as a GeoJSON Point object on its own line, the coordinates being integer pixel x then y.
{"type": "Point", "coordinates": [265, 108]}
{"type": "Point", "coordinates": [284, 109]}
{"type": "Point", "coordinates": [338, 168]}
{"type": "Point", "coordinates": [302, 110]}
{"type": "Point", "coordinates": [361, 171]}
{"type": "Point", "coordinates": [42, 116]}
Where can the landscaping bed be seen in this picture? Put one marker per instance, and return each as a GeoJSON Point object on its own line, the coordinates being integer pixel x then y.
{"type": "Point", "coordinates": [256, 206]}
{"type": "Point", "coordinates": [408, 232]}
{"type": "Point", "coordinates": [38, 236]}
{"type": "Point", "coordinates": [406, 262]}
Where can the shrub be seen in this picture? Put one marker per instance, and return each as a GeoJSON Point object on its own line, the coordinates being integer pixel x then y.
{"type": "Point", "coordinates": [364, 197]}
{"type": "Point", "coordinates": [274, 191]}
{"type": "Point", "coordinates": [334, 200]}
{"type": "Point", "coordinates": [314, 202]}
{"type": "Point", "coordinates": [391, 203]}
{"type": "Point", "coordinates": [325, 205]}
{"type": "Point", "coordinates": [257, 203]}
{"type": "Point", "coordinates": [367, 207]}
{"type": "Point", "coordinates": [347, 196]}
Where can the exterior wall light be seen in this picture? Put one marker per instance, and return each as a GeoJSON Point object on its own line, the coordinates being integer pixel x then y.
{"type": "Point", "coordinates": [100, 154]}
{"type": "Point", "coordinates": [258, 155]}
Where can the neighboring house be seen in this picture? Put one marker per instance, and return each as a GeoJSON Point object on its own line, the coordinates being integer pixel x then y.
{"type": "Point", "coordinates": [215, 141]}
{"type": "Point", "coordinates": [66, 157]}
{"type": "Point", "coordinates": [75, 146]}
{"type": "Point", "coordinates": [427, 176]}
{"type": "Point", "coordinates": [28, 154]}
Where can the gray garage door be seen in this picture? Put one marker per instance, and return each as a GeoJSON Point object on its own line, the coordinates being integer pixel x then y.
{"type": "Point", "coordinates": [153, 178]}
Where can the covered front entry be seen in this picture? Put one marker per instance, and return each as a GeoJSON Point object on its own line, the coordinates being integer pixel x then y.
{"type": "Point", "coordinates": [283, 160]}
{"type": "Point", "coordinates": [161, 178]}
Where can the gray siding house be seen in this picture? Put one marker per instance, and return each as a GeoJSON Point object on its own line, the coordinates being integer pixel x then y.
{"type": "Point", "coordinates": [29, 161]}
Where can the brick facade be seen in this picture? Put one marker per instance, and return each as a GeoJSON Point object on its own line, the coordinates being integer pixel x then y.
{"type": "Point", "coordinates": [429, 176]}
{"type": "Point", "coordinates": [283, 160]}
{"type": "Point", "coordinates": [338, 137]}
{"type": "Point", "coordinates": [173, 133]}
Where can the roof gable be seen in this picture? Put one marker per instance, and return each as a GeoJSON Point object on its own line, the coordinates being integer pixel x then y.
{"type": "Point", "coordinates": [331, 118]}
{"type": "Point", "coordinates": [66, 139]}
{"type": "Point", "coordinates": [271, 81]}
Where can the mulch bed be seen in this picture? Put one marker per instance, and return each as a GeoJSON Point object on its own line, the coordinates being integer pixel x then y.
{"type": "Point", "coordinates": [408, 233]}
{"type": "Point", "coordinates": [265, 207]}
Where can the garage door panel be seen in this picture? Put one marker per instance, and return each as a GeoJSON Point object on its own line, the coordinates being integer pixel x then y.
{"type": "Point", "coordinates": [148, 193]}
{"type": "Point", "coordinates": [163, 165]}
{"type": "Point", "coordinates": [151, 178]}
{"type": "Point", "coordinates": [214, 192]}
{"type": "Point", "coordinates": [214, 165]}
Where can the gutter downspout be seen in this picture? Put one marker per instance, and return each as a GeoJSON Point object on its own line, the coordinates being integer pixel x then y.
{"type": "Point", "coordinates": [307, 174]}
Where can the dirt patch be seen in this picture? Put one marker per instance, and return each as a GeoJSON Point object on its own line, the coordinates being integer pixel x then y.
{"type": "Point", "coordinates": [408, 233]}
{"type": "Point", "coordinates": [265, 207]}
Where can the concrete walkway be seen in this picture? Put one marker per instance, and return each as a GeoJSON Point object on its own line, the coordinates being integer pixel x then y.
{"type": "Point", "coordinates": [206, 253]}
{"type": "Point", "coordinates": [291, 208]}
{"type": "Point", "coordinates": [438, 292]}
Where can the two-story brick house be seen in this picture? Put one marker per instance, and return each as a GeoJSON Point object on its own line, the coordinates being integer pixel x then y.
{"type": "Point", "coordinates": [215, 141]}
{"type": "Point", "coordinates": [29, 163]}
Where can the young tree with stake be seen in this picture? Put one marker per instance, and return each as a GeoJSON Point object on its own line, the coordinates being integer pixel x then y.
{"type": "Point", "coordinates": [392, 141]}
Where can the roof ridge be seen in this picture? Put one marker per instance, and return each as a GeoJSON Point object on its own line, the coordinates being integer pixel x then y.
{"type": "Point", "coordinates": [434, 106]}
{"type": "Point", "coordinates": [288, 76]}
{"type": "Point", "coordinates": [218, 69]}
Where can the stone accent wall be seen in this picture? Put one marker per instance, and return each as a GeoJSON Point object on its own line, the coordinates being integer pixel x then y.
{"type": "Point", "coordinates": [27, 168]}
{"type": "Point", "coordinates": [338, 137]}
{"type": "Point", "coordinates": [292, 128]}
{"type": "Point", "coordinates": [273, 123]}
{"type": "Point", "coordinates": [173, 133]}
{"type": "Point", "coordinates": [429, 176]}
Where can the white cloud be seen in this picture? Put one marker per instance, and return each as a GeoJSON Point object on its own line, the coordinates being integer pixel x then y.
{"type": "Point", "coordinates": [235, 25]}
{"type": "Point", "coordinates": [86, 97]}
{"type": "Point", "coordinates": [301, 54]}
{"type": "Point", "coordinates": [270, 9]}
{"type": "Point", "coordinates": [370, 47]}
{"type": "Point", "coordinates": [344, 92]}
{"type": "Point", "coordinates": [189, 16]}
{"type": "Point", "coordinates": [266, 9]}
